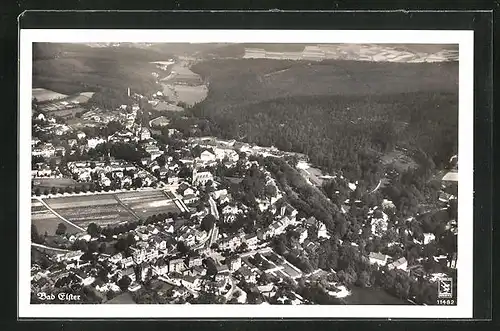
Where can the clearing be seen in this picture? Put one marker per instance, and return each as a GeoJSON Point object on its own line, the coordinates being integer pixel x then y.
{"type": "Point", "coordinates": [43, 95]}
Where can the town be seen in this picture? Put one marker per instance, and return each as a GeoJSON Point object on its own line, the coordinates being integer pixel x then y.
{"type": "Point", "coordinates": [128, 209]}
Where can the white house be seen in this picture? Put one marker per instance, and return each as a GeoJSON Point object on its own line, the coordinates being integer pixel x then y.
{"type": "Point", "coordinates": [202, 177]}
{"type": "Point", "coordinates": [400, 264]}
{"type": "Point", "coordinates": [378, 258]}
{"type": "Point", "coordinates": [428, 237]}
{"type": "Point", "coordinates": [93, 142]}
{"type": "Point", "coordinates": [207, 156]}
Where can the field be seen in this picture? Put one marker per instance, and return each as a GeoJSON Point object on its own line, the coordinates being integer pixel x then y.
{"type": "Point", "coordinates": [104, 209]}
{"type": "Point", "coordinates": [72, 68]}
{"type": "Point", "coordinates": [189, 95]}
{"type": "Point", "coordinates": [45, 221]}
{"type": "Point", "coordinates": [48, 183]}
{"type": "Point", "coordinates": [159, 121]}
{"type": "Point", "coordinates": [165, 106]}
{"type": "Point", "coordinates": [399, 159]}
{"type": "Point", "coordinates": [42, 95]}
{"type": "Point", "coordinates": [146, 203]}
{"type": "Point", "coordinates": [101, 209]}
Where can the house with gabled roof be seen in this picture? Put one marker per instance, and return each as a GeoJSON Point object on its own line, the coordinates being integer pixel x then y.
{"type": "Point", "coordinates": [378, 258]}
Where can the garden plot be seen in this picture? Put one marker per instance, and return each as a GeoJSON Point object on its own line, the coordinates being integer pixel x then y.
{"type": "Point", "coordinates": [102, 209]}
{"type": "Point", "coordinates": [147, 203]}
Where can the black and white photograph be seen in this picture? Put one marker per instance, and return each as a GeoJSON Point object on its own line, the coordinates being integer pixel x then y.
{"type": "Point", "coordinates": [246, 173]}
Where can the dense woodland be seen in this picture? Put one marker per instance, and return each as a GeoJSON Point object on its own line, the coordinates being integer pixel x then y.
{"type": "Point", "coordinates": [343, 115]}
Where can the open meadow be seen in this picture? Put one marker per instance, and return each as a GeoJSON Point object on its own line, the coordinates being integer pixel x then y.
{"type": "Point", "coordinates": [43, 95]}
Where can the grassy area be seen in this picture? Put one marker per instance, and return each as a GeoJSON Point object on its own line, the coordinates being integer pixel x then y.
{"type": "Point", "coordinates": [73, 68]}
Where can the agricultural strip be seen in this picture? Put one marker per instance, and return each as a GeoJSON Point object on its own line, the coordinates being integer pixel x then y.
{"type": "Point", "coordinates": [101, 209]}
{"type": "Point", "coordinates": [147, 203]}
{"type": "Point", "coordinates": [46, 221]}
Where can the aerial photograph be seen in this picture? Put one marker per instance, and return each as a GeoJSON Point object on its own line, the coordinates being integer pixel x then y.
{"type": "Point", "coordinates": [238, 173]}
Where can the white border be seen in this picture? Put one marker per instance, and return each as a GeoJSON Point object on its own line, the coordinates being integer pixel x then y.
{"type": "Point", "coordinates": [465, 209]}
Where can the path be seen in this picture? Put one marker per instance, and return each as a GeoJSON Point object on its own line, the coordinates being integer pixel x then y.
{"type": "Point", "coordinates": [127, 208]}
{"type": "Point", "coordinates": [214, 233]}
{"type": "Point", "coordinates": [58, 215]}
{"type": "Point", "coordinates": [50, 248]}
{"type": "Point", "coordinates": [377, 187]}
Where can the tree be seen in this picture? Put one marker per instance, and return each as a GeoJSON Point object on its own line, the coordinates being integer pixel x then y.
{"type": "Point", "coordinates": [93, 229]}
{"type": "Point", "coordinates": [137, 182]}
{"type": "Point", "coordinates": [102, 248]}
{"type": "Point", "coordinates": [53, 190]}
{"type": "Point", "coordinates": [208, 222]}
{"type": "Point", "coordinates": [61, 229]}
{"type": "Point", "coordinates": [124, 283]}
{"type": "Point", "coordinates": [183, 249]}
{"type": "Point", "coordinates": [363, 279]}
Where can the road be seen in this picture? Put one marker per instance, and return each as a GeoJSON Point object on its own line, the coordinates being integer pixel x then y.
{"type": "Point", "coordinates": [58, 215]}
{"type": "Point", "coordinates": [377, 187]}
{"type": "Point", "coordinates": [213, 208]}
{"type": "Point", "coordinates": [127, 208]}
{"type": "Point", "coordinates": [60, 250]}
{"type": "Point", "coordinates": [214, 232]}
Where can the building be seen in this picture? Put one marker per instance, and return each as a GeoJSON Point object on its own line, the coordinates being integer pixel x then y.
{"type": "Point", "coordinates": [230, 242]}
{"type": "Point", "coordinates": [93, 142]}
{"type": "Point", "coordinates": [428, 237]}
{"type": "Point", "coordinates": [400, 264]}
{"type": "Point", "coordinates": [176, 265]}
{"type": "Point", "coordinates": [217, 194]}
{"type": "Point", "coordinates": [247, 275]}
{"type": "Point", "coordinates": [378, 258]}
{"type": "Point", "coordinates": [234, 263]}
{"type": "Point", "coordinates": [190, 198]}
{"type": "Point", "coordinates": [127, 272]}
{"type": "Point", "coordinates": [144, 134]}
{"type": "Point", "coordinates": [201, 178]}
{"type": "Point", "coordinates": [251, 240]}
{"type": "Point", "coordinates": [303, 233]}
{"type": "Point", "coordinates": [80, 135]}
{"type": "Point", "coordinates": [194, 261]}
{"type": "Point", "coordinates": [207, 156]}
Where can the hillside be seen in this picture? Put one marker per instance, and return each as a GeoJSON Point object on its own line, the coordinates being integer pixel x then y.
{"type": "Point", "coordinates": [335, 111]}
{"type": "Point", "coordinates": [72, 68]}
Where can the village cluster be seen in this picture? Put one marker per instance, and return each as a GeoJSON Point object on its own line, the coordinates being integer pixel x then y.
{"type": "Point", "coordinates": [184, 256]}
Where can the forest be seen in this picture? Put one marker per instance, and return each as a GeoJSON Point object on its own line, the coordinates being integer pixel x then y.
{"type": "Point", "coordinates": [344, 115]}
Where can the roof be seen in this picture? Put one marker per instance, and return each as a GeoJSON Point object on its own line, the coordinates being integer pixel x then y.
{"type": "Point", "coordinates": [245, 272]}
{"type": "Point", "coordinates": [451, 176]}
{"type": "Point", "coordinates": [399, 262]}
{"type": "Point", "coordinates": [250, 236]}
{"type": "Point", "coordinates": [222, 268]}
{"type": "Point", "coordinates": [377, 256]}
